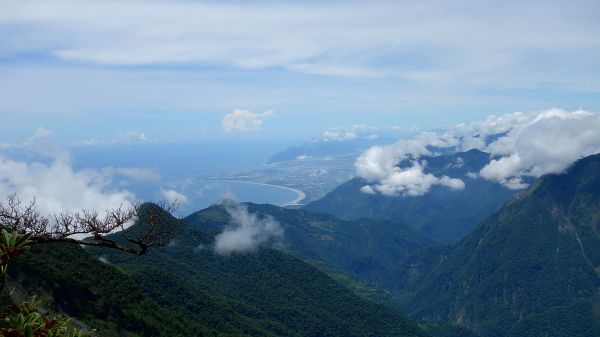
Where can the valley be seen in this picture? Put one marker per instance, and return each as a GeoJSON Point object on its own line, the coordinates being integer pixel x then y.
{"type": "Point", "coordinates": [201, 168]}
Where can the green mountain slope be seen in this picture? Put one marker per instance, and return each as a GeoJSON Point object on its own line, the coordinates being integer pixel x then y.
{"type": "Point", "coordinates": [186, 290]}
{"type": "Point", "coordinates": [367, 249]}
{"type": "Point", "coordinates": [70, 280]}
{"type": "Point", "coordinates": [442, 214]}
{"type": "Point", "coordinates": [531, 269]}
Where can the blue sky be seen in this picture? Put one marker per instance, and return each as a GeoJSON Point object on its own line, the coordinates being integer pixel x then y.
{"type": "Point", "coordinates": [102, 70]}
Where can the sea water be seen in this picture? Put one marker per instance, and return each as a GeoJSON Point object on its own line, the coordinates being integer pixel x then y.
{"type": "Point", "coordinates": [194, 169]}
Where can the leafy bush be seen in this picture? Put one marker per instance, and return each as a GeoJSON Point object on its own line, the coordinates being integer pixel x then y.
{"type": "Point", "coordinates": [25, 320]}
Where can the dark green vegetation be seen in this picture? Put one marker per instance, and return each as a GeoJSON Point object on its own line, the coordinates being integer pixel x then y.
{"type": "Point", "coordinates": [366, 249]}
{"type": "Point", "coordinates": [186, 290]}
{"type": "Point", "coordinates": [530, 269]}
{"type": "Point", "coordinates": [68, 279]}
{"type": "Point", "coordinates": [442, 214]}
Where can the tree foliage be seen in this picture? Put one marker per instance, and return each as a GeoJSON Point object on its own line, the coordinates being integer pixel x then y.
{"type": "Point", "coordinates": [23, 225]}
{"type": "Point", "coordinates": [25, 320]}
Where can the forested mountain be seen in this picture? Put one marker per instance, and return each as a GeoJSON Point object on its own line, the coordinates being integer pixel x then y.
{"type": "Point", "coordinates": [442, 214]}
{"type": "Point", "coordinates": [367, 249]}
{"type": "Point", "coordinates": [185, 289]}
{"type": "Point", "coordinates": [530, 269]}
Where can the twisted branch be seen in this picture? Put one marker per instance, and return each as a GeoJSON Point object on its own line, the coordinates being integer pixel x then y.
{"type": "Point", "coordinates": [154, 225]}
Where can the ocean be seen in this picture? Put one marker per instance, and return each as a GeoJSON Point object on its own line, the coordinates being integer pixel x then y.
{"type": "Point", "coordinates": [193, 169]}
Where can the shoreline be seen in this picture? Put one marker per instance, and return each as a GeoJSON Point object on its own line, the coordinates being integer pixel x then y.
{"type": "Point", "coordinates": [296, 202]}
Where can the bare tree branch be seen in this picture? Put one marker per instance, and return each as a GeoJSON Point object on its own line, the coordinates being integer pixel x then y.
{"type": "Point", "coordinates": [154, 225]}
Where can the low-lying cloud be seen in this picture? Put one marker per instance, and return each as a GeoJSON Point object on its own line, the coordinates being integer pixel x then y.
{"type": "Point", "coordinates": [58, 187]}
{"type": "Point", "coordinates": [247, 231]}
{"type": "Point", "coordinates": [244, 120]}
{"type": "Point", "coordinates": [546, 143]}
{"type": "Point", "coordinates": [520, 144]}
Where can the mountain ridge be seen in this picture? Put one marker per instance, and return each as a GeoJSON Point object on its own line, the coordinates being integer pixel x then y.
{"type": "Point", "coordinates": [441, 214]}
{"type": "Point", "coordinates": [523, 269]}
{"type": "Point", "coordinates": [368, 249]}
{"type": "Point", "coordinates": [185, 289]}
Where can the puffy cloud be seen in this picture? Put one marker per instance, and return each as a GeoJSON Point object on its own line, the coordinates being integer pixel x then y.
{"type": "Point", "coordinates": [57, 187]}
{"type": "Point", "coordinates": [522, 145]}
{"type": "Point", "coordinates": [547, 142]}
{"type": "Point", "coordinates": [247, 230]}
{"type": "Point", "coordinates": [368, 189]}
{"type": "Point", "coordinates": [244, 120]}
{"type": "Point", "coordinates": [411, 181]}
{"type": "Point", "coordinates": [173, 196]}
{"type": "Point", "coordinates": [380, 162]}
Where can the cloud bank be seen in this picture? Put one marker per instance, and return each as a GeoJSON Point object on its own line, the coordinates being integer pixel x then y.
{"type": "Point", "coordinates": [547, 142]}
{"type": "Point", "coordinates": [246, 232]}
{"type": "Point", "coordinates": [306, 37]}
{"type": "Point", "coordinates": [57, 187]}
{"type": "Point", "coordinates": [244, 120]}
{"type": "Point", "coordinates": [520, 144]}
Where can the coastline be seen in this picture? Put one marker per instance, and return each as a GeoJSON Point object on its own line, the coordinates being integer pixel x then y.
{"type": "Point", "coordinates": [300, 194]}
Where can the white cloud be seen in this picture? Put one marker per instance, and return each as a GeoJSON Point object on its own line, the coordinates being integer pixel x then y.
{"type": "Point", "coordinates": [173, 196]}
{"type": "Point", "coordinates": [247, 230]}
{"type": "Point", "coordinates": [547, 142]}
{"type": "Point", "coordinates": [339, 133]}
{"type": "Point", "coordinates": [40, 133]}
{"type": "Point", "coordinates": [58, 187]}
{"type": "Point", "coordinates": [522, 145]}
{"type": "Point", "coordinates": [411, 181]}
{"type": "Point", "coordinates": [307, 37]}
{"type": "Point", "coordinates": [41, 143]}
{"type": "Point", "coordinates": [380, 162]}
{"type": "Point", "coordinates": [368, 189]}
{"type": "Point", "coordinates": [244, 120]}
